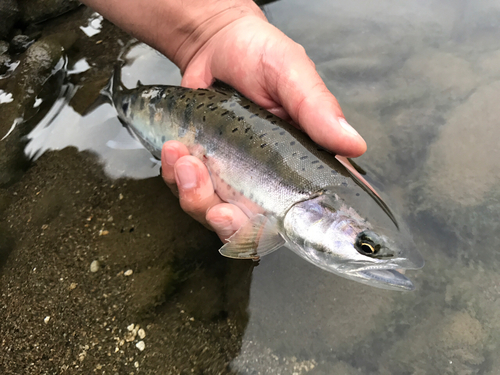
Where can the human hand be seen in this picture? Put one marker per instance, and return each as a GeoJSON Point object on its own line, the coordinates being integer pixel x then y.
{"type": "Point", "coordinates": [273, 71]}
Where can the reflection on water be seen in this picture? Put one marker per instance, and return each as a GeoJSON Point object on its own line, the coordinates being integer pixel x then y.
{"type": "Point", "coordinates": [421, 82]}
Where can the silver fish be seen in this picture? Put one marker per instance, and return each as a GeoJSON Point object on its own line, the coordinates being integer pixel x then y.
{"type": "Point", "coordinates": [295, 193]}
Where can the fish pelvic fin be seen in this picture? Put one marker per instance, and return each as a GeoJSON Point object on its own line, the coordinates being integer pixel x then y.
{"type": "Point", "coordinates": [258, 237]}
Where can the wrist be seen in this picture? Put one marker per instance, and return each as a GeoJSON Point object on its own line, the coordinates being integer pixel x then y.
{"type": "Point", "coordinates": [196, 25]}
{"type": "Point", "coordinates": [176, 28]}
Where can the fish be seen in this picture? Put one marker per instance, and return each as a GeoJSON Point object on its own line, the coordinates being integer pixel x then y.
{"type": "Point", "coordinates": [296, 194]}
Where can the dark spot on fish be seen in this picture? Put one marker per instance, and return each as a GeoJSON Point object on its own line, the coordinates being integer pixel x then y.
{"type": "Point", "coordinates": [344, 183]}
{"type": "Point", "coordinates": [246, 106]}
{"type": "Point", "coordinates": [303, 157]}
{"type": "Point", "coordinates": [224, 101]}
{"type": "Point", "coordinates": [282, 133]}
{"type": "Point", "coordinates": [201, 93]}
{"type": "Point", "coordinates": [303, 169]}
{"type": "Point", "coordinates": [315, 161]}
{"type": "Point", "coordinates": [163, 138]}
{"type": "Point", "coordinates": [200, 105]}
{"type": "Point", "coordinates": [232, 104]}
{"type": "Point", "coordinates": [211, 97]}
{"type": "Point", "coordinates": [225, 113]}
{"type": "Point", "coordinates": [203, 118]}
{"type": "Point", "coordinates": [261, 109]}
{"type": "Point", "coordinates": [273, 122]}
{"type": "Point", "coordinates": [263, 145]}
{"type": "Point", "coordinates": [235, 129]}
{"type": "Point", "coordinates": [292, 143]}
{"type": "Point", "coordinates": [125, 107]}
{"type": "Point", "coordinates": [320, 149]}
{"type": "Point", "coordinates": [320, 167]}
{"type": "Point", "coordinates": [274, 129]}
{"type": "Point", "coordinates": [334, 171]}
{"type": "Point", "coordinates": [251, 137]}
{"type": "Point", "coordinates": [269, 116]}
{"type": "Point", "coordinates": [262, 135]}
{"type": "Point", "coordinates": [210, 105]}
{"type": "Point", "coordinates": [131, 230]}
{"type": "Point", "coordinates": [253, 115]}
{"type": "Point", "coordinates": [246, 130]}
{"type": "Point", "coordinates": [357, 194]}
{"type": "Point", "coordinates": [183, 96]}
{"type": "Point", "coordinates": [276, 144]}
{"type": "Point", "coordinates": [214, 108]}
{"type": "Point", "coordinates": [240, 118]}
{"type": "Point", "coordinates": [251, 196]}
{"type": "Point", "coordinates": [294, 154]}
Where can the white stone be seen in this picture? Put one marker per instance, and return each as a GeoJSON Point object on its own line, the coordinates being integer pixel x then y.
{"type": "Point", "coordinates": [94, 266]}
{"type": "Point", "coordinates": [140, 345]}
{"type": "Point", "coordinates": [141, 333]}
{"type": "Point", "coordinates": [128, 272]}
{"type": "Point", "coordinates": [47, 319]}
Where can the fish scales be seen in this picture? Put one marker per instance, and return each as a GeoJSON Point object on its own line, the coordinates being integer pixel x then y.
{"type": "Point", "coordinates": [295, 193]}
{"type": "Point", "coordinates": [258, 154]}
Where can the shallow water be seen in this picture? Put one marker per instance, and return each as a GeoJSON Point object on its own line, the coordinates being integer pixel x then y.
{"type": "Point", "coordinates": [420, 81]}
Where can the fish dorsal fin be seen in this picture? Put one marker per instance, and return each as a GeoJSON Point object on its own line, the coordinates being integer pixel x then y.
{"type": "Point", "coordinates": [357, 167]}
{"type": "Point", "coordinates": [258, 237]}
{"type": "Point", "coordinates": [139, 83]}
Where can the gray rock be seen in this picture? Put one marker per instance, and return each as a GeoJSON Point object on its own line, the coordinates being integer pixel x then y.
{"type": "Point", "coordinates": [40, 10]}
{"type": "Point", "coordinates": [9, 14]}
{"type": "Point", "coordinates": [20, 43]}
{"type": "Point", "coordinates": [35, 68]}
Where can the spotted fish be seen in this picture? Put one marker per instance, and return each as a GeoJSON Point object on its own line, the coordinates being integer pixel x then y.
{"type": "Point", "coordinates": [295, 193]}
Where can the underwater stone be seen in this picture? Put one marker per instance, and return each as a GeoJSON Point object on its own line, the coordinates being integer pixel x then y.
{"type": "Point", "coordinates": [9, 14]}
{"type": "Point", "coordinates": [41, 10]}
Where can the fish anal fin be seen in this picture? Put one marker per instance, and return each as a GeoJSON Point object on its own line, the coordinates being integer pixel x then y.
{"type": "Point", "coordinates": [258, 237]}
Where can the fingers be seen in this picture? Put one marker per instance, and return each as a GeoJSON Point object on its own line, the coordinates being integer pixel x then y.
{"type": "Point", "coordinates": [188, 178]}
{"type": "Point", "coordinates": [225, 219]}
{"type": "Point", "coordinates": [196, 192]}
{"type": "Point", "coordinates": [171, 152]}
{"type": "Point", "coordinates": [303, 94]}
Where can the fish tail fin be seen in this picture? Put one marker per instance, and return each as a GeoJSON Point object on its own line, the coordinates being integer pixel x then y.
{"type": "Point", "coordinates": [114, 84]}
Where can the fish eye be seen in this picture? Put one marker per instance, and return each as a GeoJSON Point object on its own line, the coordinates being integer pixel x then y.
{"type": "Point", "coordinates": [366, 246]}
{"type": "Point", "coordinates": [369, 248]}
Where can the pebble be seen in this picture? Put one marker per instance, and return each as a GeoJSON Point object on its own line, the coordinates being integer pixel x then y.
{"type": "Point", "coordinates": [140, 345]}
{"type": "Point", "coordinates": [120, 197]}
{"type": "Point", "coordinates": [94, 266]}
{"type": "Point", "coordinates": [128, 272]}
{"type": "Point", "coordinates": [141, 333]}
{"type": "Point", "coordinates": [47, 319]}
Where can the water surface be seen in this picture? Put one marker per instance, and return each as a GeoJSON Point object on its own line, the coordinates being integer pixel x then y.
{"type": "Point", "coordinates": [420, 80]}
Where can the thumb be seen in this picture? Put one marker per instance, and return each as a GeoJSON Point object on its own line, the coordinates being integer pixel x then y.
{"type": "Point", "coordinates": [197, 74]}
{"type": "Point", "coordinates": [307, 100]}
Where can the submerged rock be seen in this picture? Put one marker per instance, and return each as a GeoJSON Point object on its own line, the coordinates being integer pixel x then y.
{"type": "Point", "coordinates": [36, 67]}
{"type": "Point", "coordinates": [40, 10]}
{"type": "Point", "coordinates": [9, 14]}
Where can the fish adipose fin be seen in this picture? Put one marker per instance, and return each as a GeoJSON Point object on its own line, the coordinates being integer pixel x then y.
{"type": "Point", "coordinates": [258, 237]}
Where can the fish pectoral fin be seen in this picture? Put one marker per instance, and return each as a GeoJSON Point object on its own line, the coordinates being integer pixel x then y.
{"type": "Point", "coordinates": [258, 237]}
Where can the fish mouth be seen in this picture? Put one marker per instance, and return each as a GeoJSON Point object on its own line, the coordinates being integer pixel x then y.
{"type": "Point", "coordinates": [383, 278]}
{"type": "Point", "coordinates": [388, 275]}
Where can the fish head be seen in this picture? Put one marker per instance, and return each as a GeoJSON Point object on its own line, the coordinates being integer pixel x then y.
{"type": "Point", "coordinates": [354, 243]}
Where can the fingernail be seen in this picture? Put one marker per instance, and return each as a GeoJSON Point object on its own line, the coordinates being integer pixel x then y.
{"type": "Point", "coordinates": [348, 128]}
{"type": "Point", "coordinates": [186, 175]}
{"type": "Point", "coordinates": [170, 157]}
